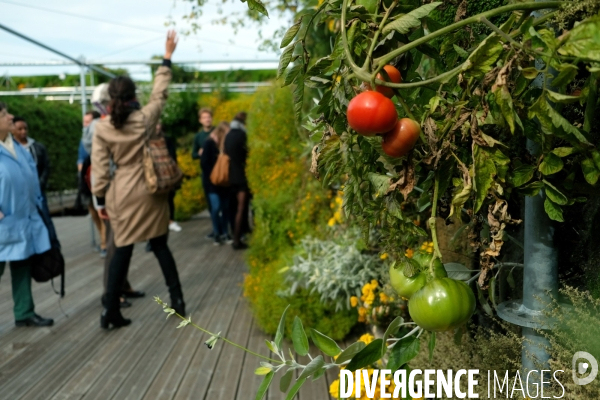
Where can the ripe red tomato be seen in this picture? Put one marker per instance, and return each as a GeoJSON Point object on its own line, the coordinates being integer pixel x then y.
{"type": "Point", "coordinates": [395, 77]}
{"type": "Point", "coordinates": [402, 138]}
{"type": "Point", "coordinates": [371, 113]}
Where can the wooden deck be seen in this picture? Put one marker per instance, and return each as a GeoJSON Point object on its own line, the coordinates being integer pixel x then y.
{"type": "Point", "coordinates": [150, 359]}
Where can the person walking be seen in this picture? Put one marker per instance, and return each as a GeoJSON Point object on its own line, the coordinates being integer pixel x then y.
{"type": "Point", "coordinates": [22, 230]}
{"type": "Point", "coordinates": [205, 117]}
{"type": "Point", "coordinates": [136, 215]}
{"type": "Point", "coordinates": [218, 196]}
{"type": "Point", "coordinates": [236, 147]}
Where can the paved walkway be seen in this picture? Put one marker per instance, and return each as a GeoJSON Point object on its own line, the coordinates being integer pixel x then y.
{"type": "Point", "coordinates": [150, 359]}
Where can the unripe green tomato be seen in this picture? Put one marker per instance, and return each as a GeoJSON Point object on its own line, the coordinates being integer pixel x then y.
{"type": "Point", "coordinates": [442, 304]}
{"type": "Point", "coordinates": [404, 286]}
{"type": "Point", "coordinates": [424, 259]}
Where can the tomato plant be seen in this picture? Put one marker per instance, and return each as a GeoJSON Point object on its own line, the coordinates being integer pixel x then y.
{"type": "Point", "coordinates": [370, 113]}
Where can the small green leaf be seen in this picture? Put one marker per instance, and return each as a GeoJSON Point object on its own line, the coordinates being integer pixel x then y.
{"type": "Point", "coordinates": [582, 41]}
{"type": "Point", "coordinates": [563, 151]}
{"type": "Point", "coordinates": [485, 170]}
{"type": "Point", "coordinates": [298, 99]}
{"type": "Point", "coordinates": [320, 66]}
{"type": "Point", "coordinates": [431, 346]}
{"type": "Point", "coordinates": [484, 303]}
{"type": "Point", "coordinates": [521, 175]}
{"type": "Point", "coordinates": [281, 329]}
{"type": "Point", "coordinates": [299, 338]}
{"type": "Point", "coordinates": [381, 183]}
{"type": "Point", "coordinates": [590, 172]}
{"type": "Point", "coordinates": [270, 346]}
{"type": "Point", "coordinates": [319, 373]}
{"type": "Point", "coordinates": [551, 164]}
{"type": "Point", "coordinates": [392, 329]}
{"type": "Point", "coordinates": [262, 371]}
{"type": "Point", "coordinates": [482, 59]}
{"type": "Point", "coordinates": [530, 72]}
{"type": "Point", "coordinates": [554, 194]}
{"type": "Point", "coordinates": [553, 210]}
{"type": "Point", "coordinates": [264, 386]}
{"type": "Point", "coordinates": [294, 390]}
{"type": "Point", "coordinates": [461, 52]}
{"type": "Point", "coordinates": [567, 72]}
{"type": "Point", "coordinates": [531, 189]}
{"type": "Point", "coordinates": [596, 158]}
{"type": "Point", "coordinates": [315, 364]}
{"type": "Point", "coordinates": [504, 101]}
{"type": "Point", "coordinates": [458, 271]}
{"type": "Point", "coordinates": [350, 352]}
{"type": "Point", "coordinates": [258, 6]}
{"type": "Point", "coordinates": [367, 356]}
{"type": "Point", "coordinates": [286, 380]}
{"type": "Point", "coordinates": [292, 74]}
{"type": "Point", "coordinates": [369, 5]}
{"type": "Point", "coordinates": [325, 343]}
{"type": "Point", "coordinates": [561, 98]}
{"type": "Point", "coordinates": [291, 34]}
{"type": "Point", "coordinates": [406, 22]}
{"type": "Point", "coordinates": [405, 350]}
{"type": "Point", "coordinates": [285, 59]}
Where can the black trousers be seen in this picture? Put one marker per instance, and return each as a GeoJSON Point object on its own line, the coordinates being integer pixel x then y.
{"type": "Point", "coordinates": [119, 266]}
{"type": "Point", "coordinates": [171, 201]}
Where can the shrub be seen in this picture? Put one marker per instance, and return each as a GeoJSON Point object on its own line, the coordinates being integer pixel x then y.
{"type": "Point", "coordinates": [288, 204]}
{"type": "Point", "coordinates": [58, 126]}
{"type": "Point", "coordinates": [189, 199]}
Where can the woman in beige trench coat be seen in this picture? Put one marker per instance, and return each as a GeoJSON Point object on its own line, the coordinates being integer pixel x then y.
{"type": "Point", "coordinates": [136, 215]}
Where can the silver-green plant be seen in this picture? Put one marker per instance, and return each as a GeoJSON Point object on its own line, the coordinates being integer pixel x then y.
{"type": "Point", "coordinates": [335, 269]}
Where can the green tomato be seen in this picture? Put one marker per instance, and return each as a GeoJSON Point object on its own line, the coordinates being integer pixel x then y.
{"type": "Point", "coordinates": [442, 304]}
{"type": "Point", "coordinates": [424, 259]}
{"type": "Point", "coordinates": [404, 286]}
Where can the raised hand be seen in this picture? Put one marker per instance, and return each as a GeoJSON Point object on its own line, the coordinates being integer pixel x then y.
{"type": "Point", "coordinates": [171, 44]}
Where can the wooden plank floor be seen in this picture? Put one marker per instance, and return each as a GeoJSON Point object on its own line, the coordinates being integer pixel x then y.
{"type": "Point", "coordinates": [150, 359]}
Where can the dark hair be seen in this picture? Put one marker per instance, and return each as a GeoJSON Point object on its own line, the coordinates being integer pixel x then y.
{"type": "Point", "coordinates": [18, 119]}
{"type": "Point", "coordinates": [241, 116]}
{"type": "Point", "coordinates": [122, 92]}
{"type": "Point", "coordinates": [94, 114]}
{"type": "Point", "coordinates": [3, 106]}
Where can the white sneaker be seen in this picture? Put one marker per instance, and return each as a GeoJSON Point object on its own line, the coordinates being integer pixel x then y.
{"type": "Point", "coordinates": [174, 226]}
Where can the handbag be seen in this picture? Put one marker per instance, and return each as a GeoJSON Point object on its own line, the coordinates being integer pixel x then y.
{"type": "Point", "coordinates": [50, 264]}
{"type": "Point", "coordinates": [220, 173]}
{"type": "Point", "coordinates": [160, 170]}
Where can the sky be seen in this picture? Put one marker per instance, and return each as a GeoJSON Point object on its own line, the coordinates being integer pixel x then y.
{"type": "Point", "coordinates": [137, 32]}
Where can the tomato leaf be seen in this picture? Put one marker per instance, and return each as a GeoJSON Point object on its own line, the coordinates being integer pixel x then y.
{"type": "Point", "coordinates": [504, 100]}
{"type": "Point", "coordinates": [286, 380]}
{"type": "Point", "coordinates": [561, 98]}
{"type": "Point", "coordinates": [531, 189]}
{"type": "Point", "coordinates": [461, 52]}
{"type": "Point", "coordinates": [553, 210]}
{"type": "Point", "coordinates": [299, 339]}
{"type": "Point", "coordinates": [554, 194]}
{"type": "Point", "coordinates": [291, 34]}
{"type": "Point", "coordinates": [320, 66]}
{"type": "Point", "coordinates": [403, 351]}
{"type": "Point", "coordinates": [551, 164]}
{"type": "Point", "coordinates": [381, 183]}
{"type": "Point", "coordinates": [292, 74]}
{"type": "Point", "coordinates": [582, 41]}
{"type": "Point", "coordinates": [406, 22]}
{"type": "Point", "coordinates": [530, 72]}
{"type": "Point", "coordinates": [563, 151]}
{"type": "Point", "coordinates": [482, 59]}
{"type": "Point", "coordinates": [431, 346]}
{"type": "Point", "coordinates": [350, 352]}
{"type": "Point", "coordinates": [281, 328]}
{"type": "Point", "coordinates": [367, 356]}
{"type": "Point", "coordinates": [264, 386]}
{"type": "Point", "coordinates": [325, 343]}
{"type": "Point", "coordinates": [484, 303]}
{"type": "Point", "coordinates": [485, 170]}
{"type": "Point", "coordinates": [590, 172]}
{"type": "Point", "coordinates": [567, 73]}
{"type": "Point", "coordinates": [521, 175]}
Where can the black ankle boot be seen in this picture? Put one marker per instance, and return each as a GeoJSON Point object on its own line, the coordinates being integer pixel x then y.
{"type": "Point", "coordinates": [178, 305]}
{"type": "Point", "coordinates": [115, 319]}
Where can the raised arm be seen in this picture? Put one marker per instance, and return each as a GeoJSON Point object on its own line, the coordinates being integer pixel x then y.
{"type": "Point", "coordinates": [162, 78]}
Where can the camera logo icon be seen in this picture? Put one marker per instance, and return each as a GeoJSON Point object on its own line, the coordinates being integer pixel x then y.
{"type": "Point", "coordinates": [582, 367]}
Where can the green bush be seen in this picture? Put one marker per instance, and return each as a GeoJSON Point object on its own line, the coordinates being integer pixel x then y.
{"type": "Point", "coordinates": [289, 204]}
{"type": "Point", "coordinates": [58, 126]}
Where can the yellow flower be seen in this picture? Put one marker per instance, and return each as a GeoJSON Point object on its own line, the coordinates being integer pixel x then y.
{"type": "Point", "coordinates": [409, 253]}
{"type": "Point", "coordinates": [353, 301]}
{"type": "Point", "coordinates": [383, 297]}
{"type": "Point", "coordinates": [384, 256]}
{"type": "Point", "coordinates": [334, 388]}
{"type": "Point", "coordinates": [362, 314]}
{"type": "Point", "coordinates": [331, 222]}
{"type": "Point", "coordinates": [366, 338]}
{"type": "Point", "coordinates": [370, 298]}
{"type": "Point", "coordinates": [374, 283]}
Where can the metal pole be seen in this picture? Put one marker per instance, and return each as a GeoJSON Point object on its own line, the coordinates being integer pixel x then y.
{"type": "Point", "coordinates": [9, 30]}
{"type": "Point", "coordinates": [83, 99]}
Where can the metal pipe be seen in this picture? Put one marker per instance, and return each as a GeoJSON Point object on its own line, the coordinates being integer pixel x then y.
{"type": "Point", "coordinates": [27, 38]}
{"type": "Point", "coordinates": [83, 99]}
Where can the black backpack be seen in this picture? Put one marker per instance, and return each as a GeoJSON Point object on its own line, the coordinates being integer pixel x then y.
{"type": "Point", "coordinates": [50, 264]}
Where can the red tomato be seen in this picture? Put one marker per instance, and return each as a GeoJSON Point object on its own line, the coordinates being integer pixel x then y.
{"type": "Point", "coordinates": [402, 138]}
{"type": "Point", "coordinates": [371, 113]}
{"type": "Point", "coordinates": [395, 77]}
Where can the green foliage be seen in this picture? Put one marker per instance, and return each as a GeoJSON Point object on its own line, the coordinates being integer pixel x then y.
{"type": "Point", "coordinates": [58, 126]}
{"type": "Point", "coordinates": [288, 204]}
{"type": "Point", "coordinates": [336, 269]}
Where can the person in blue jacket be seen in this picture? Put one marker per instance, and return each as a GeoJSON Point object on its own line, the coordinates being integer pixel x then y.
{"type": "Point", "coordinates": [22, 230]}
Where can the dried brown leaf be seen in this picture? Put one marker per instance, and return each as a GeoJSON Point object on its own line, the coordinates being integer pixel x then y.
{"type": "Point", "coordinates": [461, 11]}
{"type": "Point", "coordinates": [406, 180]}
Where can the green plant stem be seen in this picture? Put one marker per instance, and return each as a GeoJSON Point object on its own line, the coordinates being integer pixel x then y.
{"type": "Point", "coordinates": [404, 105]}
{"type": "Point", "coordinates": [437, 253]}
{"type": "Point", "coordinates": [357, 70]}
{"type": "Point", "coordinates": [509, 39]}
{"type": "Point", "coordinates": [232, 343]}
{"type": "Point", "coordinates": [376, 36]}
{"type": "Point", "coordinates": [476, 18]}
